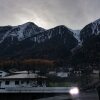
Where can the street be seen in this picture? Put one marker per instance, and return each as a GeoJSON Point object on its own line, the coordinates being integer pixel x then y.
{"type": "Point", "coordinates": [88, 96]}
{"type": "Point", "coordinates": [82, 96]}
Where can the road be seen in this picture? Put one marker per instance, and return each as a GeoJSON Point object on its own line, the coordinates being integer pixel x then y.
{"type": "Point", "coordinates": [88, 96]}
{"type": "Point", "coordinates": [82, 96]}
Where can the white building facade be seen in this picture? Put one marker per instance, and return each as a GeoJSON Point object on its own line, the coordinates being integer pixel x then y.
{"type": "Point", "coordinates": [22, 80]}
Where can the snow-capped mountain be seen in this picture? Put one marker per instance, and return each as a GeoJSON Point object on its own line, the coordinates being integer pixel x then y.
{"type": "Point", "coordinates": [60, 31]}
{"type": "Point", "coordinates": [37, 34]}
{"type": "Point", "coordinates": [90, 29]}
{"type": "Point", "coordinates": [21, 32]}
{"type": "Point", "coordinates": [31, 41]}
{"type": "Point", "coordinates": [89, 51]}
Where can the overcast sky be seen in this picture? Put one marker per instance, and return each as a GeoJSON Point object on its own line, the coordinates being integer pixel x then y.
{"type": "Point", "coordinates": [49, 13]}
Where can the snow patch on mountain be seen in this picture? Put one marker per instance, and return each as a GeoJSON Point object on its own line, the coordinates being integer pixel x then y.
{"type": "Point", "coordinates": [76, 35]}
{"type": "Point", "coordinates": [48, 34]}
{"type": "Point", "coordinates": [96, 27]}
{"type": "Point", "coordinates": [5, 35]}
{"type": "Point", "coordinates": [18, 31]}
{"type": "Point", "coordinates": [21, 30]}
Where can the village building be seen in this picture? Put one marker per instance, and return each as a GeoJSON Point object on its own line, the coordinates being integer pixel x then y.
{"type": "Point", "coordinates": [62, 74]}
{"type": "Point", "coordinates": [23, 79]}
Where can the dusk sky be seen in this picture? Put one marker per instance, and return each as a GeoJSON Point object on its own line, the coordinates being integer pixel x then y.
{"type": "Point", "coordinates": [74, 14]}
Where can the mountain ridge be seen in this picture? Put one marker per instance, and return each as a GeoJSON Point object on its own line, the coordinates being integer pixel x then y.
{"type": "Point", "coordinates": [30, 41]}
{"type": "Point", "coordinates": [39, 44]}
{"type": "Point", "coordinates": [22, 31]}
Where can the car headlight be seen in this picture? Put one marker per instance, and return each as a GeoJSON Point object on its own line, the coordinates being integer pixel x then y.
{"type": "Point", "coordinates": [74, 91]}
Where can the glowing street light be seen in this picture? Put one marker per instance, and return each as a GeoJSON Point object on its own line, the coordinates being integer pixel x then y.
{"type": "Point", "coordinates": [74, 91]}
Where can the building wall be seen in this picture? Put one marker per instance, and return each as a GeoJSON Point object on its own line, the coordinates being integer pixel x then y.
{"type": "Point", "coordinates": [21, 84]}
{"type": "Point", "coordinates": [12, 84]}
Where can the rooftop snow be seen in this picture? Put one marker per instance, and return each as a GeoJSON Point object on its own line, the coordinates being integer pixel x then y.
{"type": "Point", "coordinates": [23, 76]}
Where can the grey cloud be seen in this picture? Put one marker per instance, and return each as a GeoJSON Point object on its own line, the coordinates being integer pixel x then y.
{"type": "Point", "coordinates": [49, 13]}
